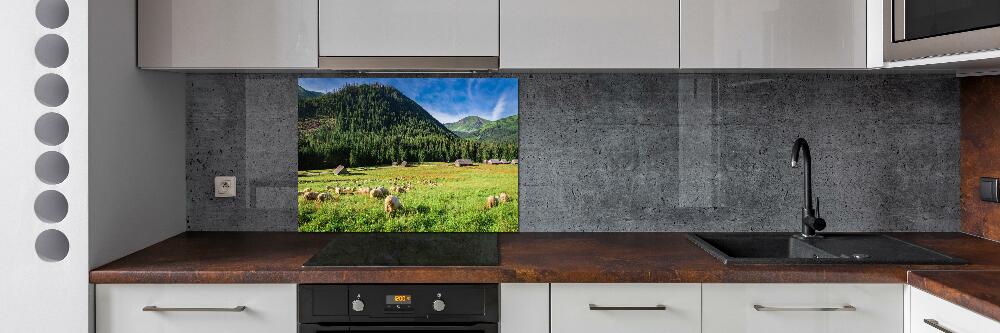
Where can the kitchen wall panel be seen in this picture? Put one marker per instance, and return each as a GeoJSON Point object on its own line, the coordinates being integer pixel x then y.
{"type": "Point", "coordinates": [641, 152]}
{"type": "Point", "coordinates": [980, 151]}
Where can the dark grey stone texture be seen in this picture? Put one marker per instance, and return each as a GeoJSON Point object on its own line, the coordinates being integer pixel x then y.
{"type": "Point", "coordinates": [244, 126]}
{"type": "Point", "coordinates": [642, 152]}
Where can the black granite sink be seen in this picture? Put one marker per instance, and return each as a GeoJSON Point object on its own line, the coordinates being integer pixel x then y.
{"type": "Point", "coordinates": [833, 248]}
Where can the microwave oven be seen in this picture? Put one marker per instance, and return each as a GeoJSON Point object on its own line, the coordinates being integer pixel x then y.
{"type": "Point", "coordinates": [915, 29]}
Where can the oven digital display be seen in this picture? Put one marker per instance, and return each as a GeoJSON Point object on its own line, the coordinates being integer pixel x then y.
{"type": "Point", "coordinates": [398, 299]}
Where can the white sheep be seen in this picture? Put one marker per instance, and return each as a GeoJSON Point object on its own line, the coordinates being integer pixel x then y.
{"type": "Point", "coordinates": [504, 198]}
{"type": "Point", "coordinates": [392, 204]}
{"type": "Point", "coordinates": [378, 192]}
{"type": "Point", "coordinates": [311, 195]}
{"type": "Point", "coordinates": [491, 201]}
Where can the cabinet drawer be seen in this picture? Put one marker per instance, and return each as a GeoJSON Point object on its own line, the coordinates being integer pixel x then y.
{"type": "Point", "coordinates": [802, 308]}
{"type": "Point", "coordinates": [626, 308]}
{"type": "Point", "coordinates": [269, 308]}
{"type": "Point", "coordinates": [946, 315]}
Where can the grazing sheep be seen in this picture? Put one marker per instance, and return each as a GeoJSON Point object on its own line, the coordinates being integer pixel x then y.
{"type": "Point", "coordinates": [504, 198]}
{"type": "Point", "coordinates": [325, 196]}
{"type": "Point", "coordinates": [392, 204]}
{"type": "Point", "coordinates": [312, 195]}
{"type": "Point", "coordinates": [491, 201]}
{"type": "Point", "coordinates": [378, 192]}
{"type": "Point", "coordinates": [397, 189]}
{"type": "Point", "coordinates": [363, 190]}
{"type": "Point", "coordinates": [342, 190]}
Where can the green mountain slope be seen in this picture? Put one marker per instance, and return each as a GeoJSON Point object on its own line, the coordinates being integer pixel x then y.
{"type": "Point", "coordinates": [305, 94]}
{"type": "Point", "coordinates": [501, 130]}
{"type": "Point", "coordinates": [467, 125]}
{"type": "Point", "coordinates": [369, 108]}
{"type": "Point", "coordinates": [373, 124]}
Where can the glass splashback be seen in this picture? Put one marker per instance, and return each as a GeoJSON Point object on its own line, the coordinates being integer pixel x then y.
{"type": "Point", "coordinates": [408, 154]}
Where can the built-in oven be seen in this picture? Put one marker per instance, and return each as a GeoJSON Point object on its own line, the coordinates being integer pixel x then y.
{"type": "Point", "coordinates": [929, 28]}
{"type": "Point", "coordinates": [385, 308]}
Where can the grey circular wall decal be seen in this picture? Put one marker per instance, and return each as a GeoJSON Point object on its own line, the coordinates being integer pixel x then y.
{"type": "Point", "coordinates": [51, 129]}
{"type": "Point", "coordinates": [52, 13]}
{"type": "Point", "coordinates": [51, 206]}
{"type": "Point", "coordinates": [52, 245]}
{"type": "Point", "coordinates": [51, 90]}
{"type": "Point", "coordinates": [52, 167]}
{"type": "Point", "coordinates": [51, 51]}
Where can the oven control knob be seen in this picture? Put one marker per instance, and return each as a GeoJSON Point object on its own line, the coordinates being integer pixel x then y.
{"type": "Point", "coordinates": [358, 305]}
{"type": "Point", "coordinates": [438, 305]}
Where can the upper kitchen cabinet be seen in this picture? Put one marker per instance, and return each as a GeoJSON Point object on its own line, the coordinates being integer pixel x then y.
{"type": "Point", "coordinates": [780, 34]}
{"type": "Point", "coordinates": [409, 34]}
{"type": "Point", "coordinates": [589, 34]}
{"type": "Point", "coordinates": [220, 34]}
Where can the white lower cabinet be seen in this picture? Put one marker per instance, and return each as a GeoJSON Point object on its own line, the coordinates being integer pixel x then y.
{"type": "Point", "coordinates": [524, 307]}
{"type": "Point", "coordinates": [802, 308]}
{"type": "Point", "coordinates": [201, 308]}
{"type": "Point", "coordinates": [930, 314]}
{"type": "Point", "coordinates": [625, 308]}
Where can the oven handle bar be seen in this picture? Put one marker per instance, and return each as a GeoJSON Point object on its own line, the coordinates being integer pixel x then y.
{"type": "Point", "coordinates": [487, 328]}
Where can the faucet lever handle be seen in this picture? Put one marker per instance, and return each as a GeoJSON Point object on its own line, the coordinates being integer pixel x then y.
{"type": "Point", "coordinates": [817, 206]}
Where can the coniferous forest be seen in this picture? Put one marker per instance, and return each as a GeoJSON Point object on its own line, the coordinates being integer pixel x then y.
{"type": "Point", "coordinates": [375, 124]}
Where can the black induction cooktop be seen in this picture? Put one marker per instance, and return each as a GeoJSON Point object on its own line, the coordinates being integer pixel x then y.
{"type": "Point", "coordinates": [408, 249]}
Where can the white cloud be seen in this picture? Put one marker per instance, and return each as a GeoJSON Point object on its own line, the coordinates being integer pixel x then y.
{"type": "Point", "coordinates": [442, 117]}
{"type": "Point", "coordinates": [499, 108]}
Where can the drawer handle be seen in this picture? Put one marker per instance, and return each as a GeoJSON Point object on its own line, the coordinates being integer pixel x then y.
{"type": "Point", "coordinates": [154, 308]}
{"type": "Point", "coordinates": [658, 307]}
{"type": "Point", "coordinates": [759, 307]}
{"type": "Point", "coordinates": [935, 324]}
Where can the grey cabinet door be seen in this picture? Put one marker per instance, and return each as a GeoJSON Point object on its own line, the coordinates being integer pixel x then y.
{"type": "Point", "coordinates": [774, 34]}
{"type": "Point", "coordinates": [220, 34]}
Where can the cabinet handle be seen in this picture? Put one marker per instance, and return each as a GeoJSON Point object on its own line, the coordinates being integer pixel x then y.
{"type": "Point", "coordinates": [657, 307]}
{"type": "Point", "coordinates": [759, 307]}
{"type": "Point", "coordinates": [154, 308]}
{"type": "Point", "coordinates": [935, 324]}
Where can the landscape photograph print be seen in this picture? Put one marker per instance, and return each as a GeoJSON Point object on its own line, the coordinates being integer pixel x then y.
{"type": "Point", "coordinates": [408, 155]}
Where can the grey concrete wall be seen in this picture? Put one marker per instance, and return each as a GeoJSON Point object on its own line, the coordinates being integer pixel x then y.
{"type": "Point", "coordinates": [242, 125]}
{"type": "Point", "coordinates": [642, 152]}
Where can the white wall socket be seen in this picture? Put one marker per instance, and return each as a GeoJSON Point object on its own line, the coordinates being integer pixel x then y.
{"type": "Point", "coordinates": [225, 187]}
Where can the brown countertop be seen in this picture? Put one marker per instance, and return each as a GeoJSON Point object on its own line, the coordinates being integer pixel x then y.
{"type": "Point", "coordinates": [269, 257]}
{"type": "Point", "coordinates": [277, 257]}
{"type": "Point", "coordinates": [974, 290]}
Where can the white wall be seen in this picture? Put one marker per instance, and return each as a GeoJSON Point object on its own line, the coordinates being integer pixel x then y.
{"type": "Point", "coordinates": [137, 122]}
{"type": "Point", "coordinates": [125, 149]}
{"type": "Point", "coordinates": [38, 295]}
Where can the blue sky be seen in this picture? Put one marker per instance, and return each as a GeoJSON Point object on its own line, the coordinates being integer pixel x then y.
{"type": "Point", "coordinates": [448, 100]}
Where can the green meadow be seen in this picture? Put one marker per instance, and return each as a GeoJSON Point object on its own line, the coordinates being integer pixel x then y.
{"type": "Point", "coordinates": [441, 198]}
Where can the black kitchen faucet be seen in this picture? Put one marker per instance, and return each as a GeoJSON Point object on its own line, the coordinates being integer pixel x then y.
{"type": "Point", "coordinates": [810, 221]}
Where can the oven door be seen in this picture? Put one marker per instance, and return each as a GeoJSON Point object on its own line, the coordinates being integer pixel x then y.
{"type": "Point", "coordinates": [927, 28]}
{"type": "Point", "coordinates": [474, 328]}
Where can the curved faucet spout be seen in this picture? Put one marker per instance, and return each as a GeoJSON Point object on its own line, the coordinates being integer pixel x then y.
{"type": "Point", "coordinates": [810, 222]}
{"type": "Point", "coordinates": [807, 188]}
